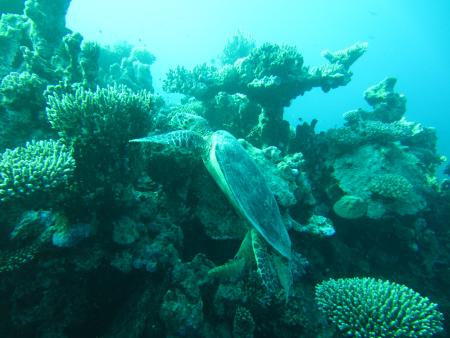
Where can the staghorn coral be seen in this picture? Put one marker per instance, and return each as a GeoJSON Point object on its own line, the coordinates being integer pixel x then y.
{"type": "Point", "coordinates": [40, 166]}
{"type": "Point", "coordinates": [346, 57]}
{"type": "Point", "coordinates": [272, 75]}
{"type": "Point", "coordinates": [368, 307]}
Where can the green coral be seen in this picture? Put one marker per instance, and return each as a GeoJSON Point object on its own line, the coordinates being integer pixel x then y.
{"type": "Point", "coordinates": [238, 46]}
{"type": "Point", "coordinates": [368, 307]}
{"type": "Point", "coordinates": [120, 64]}
{"type": "Point", "coordinates": [14, 33]}
{"type": "Point", "coordinates": [388, 105]}
{"type": "Point", "coordinates": [346, 57]}
{"type": "Point", "coordinates": [233, 112]}
{"type": "Point", "coordinates": [350, 207]}
{"type": "Point", "coordinates": [270, 76]}
{"type": "Point", "coordinates": [21, 97]}
{"type": "Point", "coordinates": [390, 186]}
{"type": "Point", "coordinates": [243, 323]}
{"type": "Point", "coordinates": [362, 171]}
{"type": "Point", "coordinates": [99, 124]}
{"type": "Point", "coordinates": [22, 91]}
{"type": "Point", "coordinates": [272, 60]}
{"type": "Point", "coordinates": [48, 23]}
{"type": "Point", "coordinates": [40, 166]}
{"type": "Point", "coordinates": [109, 115]}
{"type": "Point", "coordinates": [337, 72]}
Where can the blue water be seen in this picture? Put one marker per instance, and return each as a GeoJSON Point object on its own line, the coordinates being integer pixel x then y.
{"type": "Point", "coordinates": [408, 40]}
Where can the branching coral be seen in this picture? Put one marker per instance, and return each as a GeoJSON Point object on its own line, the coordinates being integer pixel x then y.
{"type": "Point", "coordinates": [390, 186]}
{"type": "Point", "coordinates": [367, 307]}
{"type": "Point", "coordinates": [99, 124]}
{"type": "Point", "coordinates": [40, 166]}
{"type": "Point", "coordinates": [112, 115]}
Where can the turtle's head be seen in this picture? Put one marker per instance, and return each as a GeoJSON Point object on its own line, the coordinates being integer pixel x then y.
{"type": "Point", "coordinates": [187, 121]}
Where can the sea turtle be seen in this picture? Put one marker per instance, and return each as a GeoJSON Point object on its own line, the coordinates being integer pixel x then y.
{"type": "Point", "coordinates": [241, 181]}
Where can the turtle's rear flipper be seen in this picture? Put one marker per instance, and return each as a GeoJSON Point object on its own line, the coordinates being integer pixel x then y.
{"type": "Point", "coordinates": [185, 139]}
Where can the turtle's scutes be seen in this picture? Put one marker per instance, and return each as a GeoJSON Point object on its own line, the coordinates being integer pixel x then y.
{"type": "Point", "coordinates": [244, 185]}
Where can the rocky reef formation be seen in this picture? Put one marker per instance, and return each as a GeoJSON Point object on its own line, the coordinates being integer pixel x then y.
{"type": "Point", "coordinates": [102, 237]}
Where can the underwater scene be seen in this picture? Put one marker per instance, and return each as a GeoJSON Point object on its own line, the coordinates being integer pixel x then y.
{"type": "Point", "coordinates": [185, 186]}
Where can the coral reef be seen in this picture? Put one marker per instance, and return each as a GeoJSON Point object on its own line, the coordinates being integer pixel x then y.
{"type": "Point", "coordinates": [270, 76]}
{"type": "Point", "coordinates": [376, 155]}
{"type": "Point", "coordinates": [105, 238]}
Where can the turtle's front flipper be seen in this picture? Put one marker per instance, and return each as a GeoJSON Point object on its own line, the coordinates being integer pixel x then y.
{"type": "Point", "coordinates": [185, 139]}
